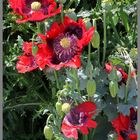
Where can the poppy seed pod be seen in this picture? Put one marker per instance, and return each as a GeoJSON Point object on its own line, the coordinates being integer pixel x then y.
{"type": "Point", "coordinates": [91, 87]}
{"type": "Point", "coordinates": [113, 88]}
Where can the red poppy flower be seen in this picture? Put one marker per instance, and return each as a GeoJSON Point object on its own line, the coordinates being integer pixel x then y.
{"type": "Point", "coordinates": [28, 62]}
{"type": "Point", "coordinates": [34, 10]}
{"type": "Point", "coordinates": [125, 126]}
{"type": "Point", "coordinates": [66, 41]}
{"type": "Point", "coordinates": [79, 118]}
{"type": "Point", "coordinates": [120, 72]}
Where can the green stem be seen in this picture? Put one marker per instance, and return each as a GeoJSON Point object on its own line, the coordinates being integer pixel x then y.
{"type": "Point", "coordinates": [104, 48]}
{"type": "Point", "coordinates": [38, 27]}
{"type": "Point", "coordinates": [85, 137]}
{"type": "Point", "coordinates": [127, 83]}
{"type": "Point", "coordinates": [93, 133]}
{"type": "Point", "coordinates": [41, 98]}
{"type": "Point", "coordinates": [89, 52]}
{"type": "Point", "coordinates": [77, 81]}
{"type": "Point", "coordinates": [56, 78]}
{"type": "Point", "coordinates": [21, 105]}
{"type": "Point", "coordinates": [48, 119]}
{"type": "Point", "coordinates": [69, 4]}
{"type": "Point", "coordinates": [99, 56]}
{"type": "Point", "coordinates": [117, 99]}
{"type": "Point", "coordinates": [134, 33]}
{"type": "Point", "coordinates": [115, 30]}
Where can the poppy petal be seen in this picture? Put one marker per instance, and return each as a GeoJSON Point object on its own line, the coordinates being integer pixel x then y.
{"type": "Point", "coordinates": [86, 107]}
{"type": "Point", "coordinates": [84, 130]}
{"type": "Point", "coordinates": [91, 124]}
{"type": "Point", "coordinates": [69, 132]}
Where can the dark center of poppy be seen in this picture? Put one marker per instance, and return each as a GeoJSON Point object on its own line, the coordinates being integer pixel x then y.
{"type": "Point", "coordinates": [124, 135]}
{"type": "Point", "coordinates": [76, 30]}
{"type": "Point", "coordinates": [77, 118]}
{"type": "Point", "coordinates": [65, 47]}
{"type": "Point", "coordinates": [35, 6]}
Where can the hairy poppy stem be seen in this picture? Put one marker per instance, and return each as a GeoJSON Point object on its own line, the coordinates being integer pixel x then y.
{"type": "Point", "coordinates": [127, 83]}
{"type": "Point", "coordinates": [115, 30]}
{"type": "Point", "coordinates": [56, 78]}
{"type": "Point", "coordinates": [89, 52]}
{"type": "Point", "coordinates": [85, 137]}
{"type": "Point", "coordinates": [105, 40]}
{"type": "Point", "coordinates": [77, 81]}
{"type": "Point", "coordinates": [51, 116]}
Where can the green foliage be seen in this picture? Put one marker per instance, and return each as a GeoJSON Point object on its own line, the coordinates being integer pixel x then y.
{"type": "Point", "coordinates": [28, 99]}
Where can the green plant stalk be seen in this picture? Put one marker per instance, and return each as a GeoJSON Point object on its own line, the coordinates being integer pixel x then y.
{"type": "Point", "coordinates": [69, 4]}
{"type": "Point", "coordinates": [89, 52]}
{"type": "Point", "coordinates": [56, 78]}
{"type": "Point", "coordinates": [118, 100]}
{"type": "Point", "coordinates": [44, 85]}
{"type": "Point", "coordinates": [99, 56]}
{"type": "Point", "coordinates": [77, 81]}
{"type": "Point", "coordinates": [89, 59]}
{"type": "Point", "coordinates": [116, 80]}
{"type": "Point", "coordinates": [41, 98]}
{"type": "Point", "coordinates": [38, 27]}
{"type": "Point", "coordinates": [54, 120]}
{"type": "Point", "coordinates": [105, 40]}
{"type": "Point", "coordinates": [115, 31]}
{"type": "Point", "coordinates": [85, 137]}
{"type": "Point", "coordinates": [127, 83]}
{"type": "Point", "coordinates": [48, 119]}
{"type": "Point", "coordinates": [93, 132]}
{"type": "Point", "coordinates": [134, 33]}
{"type": "Point", "coordinates": [20, 105]}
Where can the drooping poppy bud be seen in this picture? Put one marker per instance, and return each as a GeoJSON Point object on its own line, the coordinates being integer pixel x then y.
{"type": "Point", "coordinates": [48, 132]}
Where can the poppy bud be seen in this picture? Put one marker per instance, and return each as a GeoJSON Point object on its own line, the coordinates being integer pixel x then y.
{"type": "Point", "coordinates": [87, 22]}
{"type": "Point", "coordinates": [66, 107]}
{"type": "Point", "coordinates": [72, 15]}
{"type": "Point", "coordinates": [48, 132]}
{"type": "Point", "coordinates": [113, 87]}
{"type": "Point", "coordinates": [91, 87]}
{"type": "Point", "coordinates": [34, 50]}
{"type": "Point", "coordinates": [58, 107]}
{"type": "Point", "coordinates": [96, 39]}
{"type": "Point", "coordinates": [107, 4]}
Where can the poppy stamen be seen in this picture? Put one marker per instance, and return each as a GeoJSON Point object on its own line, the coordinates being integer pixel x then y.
{"type": "Point", "coordinates": [65, 42]}
{"type": "Point", "coordinates": [35, 5]}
